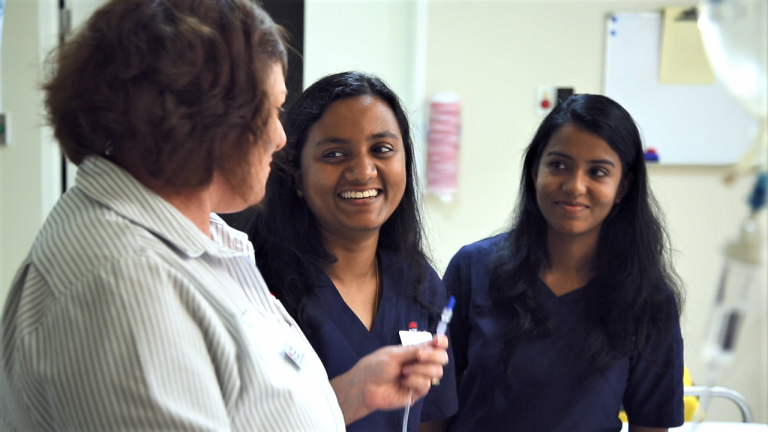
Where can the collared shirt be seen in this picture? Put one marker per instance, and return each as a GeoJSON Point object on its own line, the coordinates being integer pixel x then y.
{"type": "Point", "coordinates": [125, 316]}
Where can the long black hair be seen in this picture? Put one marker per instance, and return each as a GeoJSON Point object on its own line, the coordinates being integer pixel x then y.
{"type": "Point", "coordinates": [284, 231]}
{"type": "Point", "coordinates": [634, 293]}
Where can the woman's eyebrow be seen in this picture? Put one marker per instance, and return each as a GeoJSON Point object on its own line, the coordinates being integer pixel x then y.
{"type": "Point", "coordinates": [380, 135]}
{"type": "Point", "coordinates": [602, 162]}
{"type": "Point", "coordinates": [345, 141]}
{"type": "Point", "coordinates": [332, 140]}
{"type": "Point", "coordinates": [591, 161]}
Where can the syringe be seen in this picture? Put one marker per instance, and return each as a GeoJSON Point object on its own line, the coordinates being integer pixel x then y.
{"type": "Point", "coordinates": [445, 316]}
{"type": "Point", "coordinates": [442, 327]}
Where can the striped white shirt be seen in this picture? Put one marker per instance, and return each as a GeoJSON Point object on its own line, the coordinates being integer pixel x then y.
{"type": "Point", "coordinates": [125, 316]}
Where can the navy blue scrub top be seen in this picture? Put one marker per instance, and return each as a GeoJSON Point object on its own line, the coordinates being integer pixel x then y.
{"type": "Point", "coordinates": [550, 390]}
{"type": "Point", "coordinates": [342, 340]}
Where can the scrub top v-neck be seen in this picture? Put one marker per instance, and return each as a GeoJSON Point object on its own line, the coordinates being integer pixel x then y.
{"type": "Point", "coordinates": [342, 339]}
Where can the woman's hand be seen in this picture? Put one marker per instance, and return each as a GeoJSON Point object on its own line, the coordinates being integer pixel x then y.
{"type": "Point", "coordinates": [384, 379]}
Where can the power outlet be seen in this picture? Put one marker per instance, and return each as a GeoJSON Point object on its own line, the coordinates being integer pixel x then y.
{"type": "Point", "coordinates": [564, 93]}
{"type": "Point", "coordinates": [547, 97]}
{"type": "Point", "coordinates": [4, 136]}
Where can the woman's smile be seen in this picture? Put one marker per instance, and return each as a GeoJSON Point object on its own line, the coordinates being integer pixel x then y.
{"type": "Point", "coordinates": [572, 208]}
{"type": "Point", "coordinates": [353, 172]}
{"type": "Point", "coordinates": [359, 195]}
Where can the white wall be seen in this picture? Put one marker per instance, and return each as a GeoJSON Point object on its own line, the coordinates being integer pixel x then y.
{"type": "Point", "coordinates": [494, 54]}
{"type": "Point", "coordinates": [385, 37]}
{"type": "Point", "coordinates": [30, 165]}
{"type": "Point", "coordinates": [372, 36]}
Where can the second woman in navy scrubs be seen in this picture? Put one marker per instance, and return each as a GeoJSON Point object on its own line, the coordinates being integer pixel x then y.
{"type": "Point", "coordinates": [339, 237]}
{"type": "Point", "coordinates": [575, 311]}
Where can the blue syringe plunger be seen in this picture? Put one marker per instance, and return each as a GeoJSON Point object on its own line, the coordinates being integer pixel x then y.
{"type": "Point", "coordinates": [445, 317]}
{"type": "Point", "coordinates": [451, 303]}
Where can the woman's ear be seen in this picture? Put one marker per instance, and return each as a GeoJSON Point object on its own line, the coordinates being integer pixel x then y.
{"type": "Point", "coordinates": [624, 188]}
{"type": "Point", "coordinates": [299, 185]}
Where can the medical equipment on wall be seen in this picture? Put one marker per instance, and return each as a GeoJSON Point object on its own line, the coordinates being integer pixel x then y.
{"type": "Point", "coordinates": [735, 34]}
{"type": "Point", "coordinates": [443, 145]}
{"type": "Point", "coordinates": [743, 263]}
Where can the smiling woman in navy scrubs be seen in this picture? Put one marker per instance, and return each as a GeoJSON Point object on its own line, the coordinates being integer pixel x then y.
{"type": "Point", "coordinates": [339, 237]}
{"type": "Point", "coordinates": [574, 313]}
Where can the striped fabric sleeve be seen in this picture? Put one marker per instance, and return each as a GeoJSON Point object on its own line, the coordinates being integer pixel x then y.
{"type": "Point", "coordinates": [132, 347]}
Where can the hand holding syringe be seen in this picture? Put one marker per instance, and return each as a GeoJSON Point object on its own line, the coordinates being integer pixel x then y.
{"type": "Point", "coordinates": [442, 327]}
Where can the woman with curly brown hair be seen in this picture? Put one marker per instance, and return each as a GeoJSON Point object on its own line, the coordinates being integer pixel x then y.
{"type": "Point", "coordinates": [138, 308]}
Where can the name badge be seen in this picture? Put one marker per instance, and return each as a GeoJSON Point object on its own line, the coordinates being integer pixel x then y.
{"type": "Point", "coordinates": [408, 337]}
{"type": "Point", "coordinates": [296, 356]}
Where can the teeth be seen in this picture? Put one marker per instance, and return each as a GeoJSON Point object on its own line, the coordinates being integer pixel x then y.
{"type": "Point", "coordinates": [359, 195]}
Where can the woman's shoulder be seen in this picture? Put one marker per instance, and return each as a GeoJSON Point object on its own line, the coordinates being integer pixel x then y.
{"type": "Point", "coordinates": [405, 267]}
{"type": "Point", "coordinates": [666, 300]}
{"type": "Point", "coordinates": [480, 251]}
{"type": "Point", "coordinates": [406, 272]}
{"type": "Point", "coordinates": [467, 274]}
{"type": "Point", "coordinates": [671, 299]}
{"type": "Point", "coordinates": [400, 259]}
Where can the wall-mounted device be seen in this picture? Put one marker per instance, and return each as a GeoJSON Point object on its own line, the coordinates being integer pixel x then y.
{"type": "Point", "coordinates": [547, 97]}
{"type": "Point", "coordinates": [4, 131]}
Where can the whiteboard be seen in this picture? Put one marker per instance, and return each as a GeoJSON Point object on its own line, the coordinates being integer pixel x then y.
{"type": "Point", "coordinates": [685, 124]}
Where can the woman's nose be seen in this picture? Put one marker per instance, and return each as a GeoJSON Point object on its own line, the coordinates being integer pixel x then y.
{"type": "Point", "coordinates": [361, 169]}
{"type": "Point", "coordinates": [575, 184]}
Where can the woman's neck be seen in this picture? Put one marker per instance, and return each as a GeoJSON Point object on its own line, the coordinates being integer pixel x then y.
{"type": "Point", "coordinates": [570, 261]}
{"type": "Point", "coordinates": [356, 273]}
{"type": "Point", "coordinates": [355, 257]}
{"type": "Point", "coordinates": [195, 204]}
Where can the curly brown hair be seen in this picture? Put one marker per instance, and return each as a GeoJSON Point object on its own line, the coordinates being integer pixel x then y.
{"type": "Point", "coordinates": [180, 84]}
